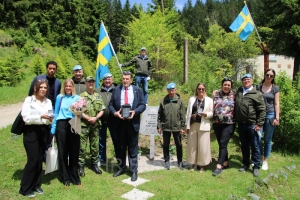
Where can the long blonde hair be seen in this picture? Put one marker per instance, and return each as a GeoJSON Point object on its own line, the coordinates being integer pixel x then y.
{"type": "Point", "coordinates": [63, 92]}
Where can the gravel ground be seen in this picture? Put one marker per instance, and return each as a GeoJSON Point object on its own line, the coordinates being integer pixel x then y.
{"type": "Point", "coordinates": [8, 114]}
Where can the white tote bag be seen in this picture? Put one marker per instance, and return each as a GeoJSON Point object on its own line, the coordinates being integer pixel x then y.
{"type": "Point", "coordinates": [52, 159]}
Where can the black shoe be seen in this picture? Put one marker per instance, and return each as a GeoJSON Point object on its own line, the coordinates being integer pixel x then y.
{"type": "Point", "coordinates": [256, 172]}
{"type": "Point", "coordinates": [67, 183]}
{"type": "Point", "coordinates": [180, 165]}
{"type": "Point", "coordinates": [167, 165]}
{"type": "Point", "coordinates": [77, 183]}
{"type": "Point", "coordinates": [39, 190]}
{"type": "Point", "coordinates": [134, 176]}
{"type": "Point", "coordinates": [81, 171]}
{"type": "Point", "coordinates": [217, 172]}
{"type": "Point", "coordinates": [96, 169]}
{"type": "Point", "coordinates": [30, 195]}
{"type": "Point", "coordinates": [102, 162]}
{"type": "Point", "coordinates": [243, 169]}
{"type": "Point", "coordinates": [118, 173]}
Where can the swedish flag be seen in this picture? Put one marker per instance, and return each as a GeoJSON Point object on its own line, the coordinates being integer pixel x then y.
{"type": "Point", "coordinates": [105, 52]}
{"type": "Point", "coordinates": [243, 25]}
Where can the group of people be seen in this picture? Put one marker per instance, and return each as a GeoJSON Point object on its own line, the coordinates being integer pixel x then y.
{"type": "Point", "coordinates": [46, 113]}
{"type": "Point", "coordinates": [255, 110]}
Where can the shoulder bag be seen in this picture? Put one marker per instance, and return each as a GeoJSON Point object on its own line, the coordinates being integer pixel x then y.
{"type": "Point", "coordinates": [18, 125]}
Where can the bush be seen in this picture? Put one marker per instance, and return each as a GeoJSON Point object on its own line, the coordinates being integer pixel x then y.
{"type": "Point", "coordinates": [287, 137]}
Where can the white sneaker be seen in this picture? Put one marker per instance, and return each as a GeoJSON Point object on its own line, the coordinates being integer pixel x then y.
{"type": "Point", "coordinates": [264, 165]}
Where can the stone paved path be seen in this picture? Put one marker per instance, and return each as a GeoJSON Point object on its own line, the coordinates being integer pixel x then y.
{"type": "Point", "coordinates": [9, 113]}
{"type": "Point", "coordinates": [145, 165]}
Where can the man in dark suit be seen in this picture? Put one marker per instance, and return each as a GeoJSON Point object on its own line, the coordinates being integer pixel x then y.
{"type": "Point", "coordinates": [127, 127]}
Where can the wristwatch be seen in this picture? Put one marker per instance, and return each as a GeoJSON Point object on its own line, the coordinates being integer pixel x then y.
{"type": "Point", "coordinates": [277, 119]}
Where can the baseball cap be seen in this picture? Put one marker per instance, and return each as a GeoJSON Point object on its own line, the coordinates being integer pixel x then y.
{"type": "Point", "coordinates": [90, 78]}
{"type": "Point", "coordinates": [246, 76]}
{"type": "Point", "coordinates": [77, 67]}
{"type": "Point", "coordinates": [107, 75]}
{"type": "Point", "coordinates": [171, 86]}
{"type": "Point", "coordinates": [143, 48]}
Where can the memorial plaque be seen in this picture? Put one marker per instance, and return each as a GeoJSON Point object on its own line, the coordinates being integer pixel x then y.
{"type": "Point", "coordinates": [125, 110]}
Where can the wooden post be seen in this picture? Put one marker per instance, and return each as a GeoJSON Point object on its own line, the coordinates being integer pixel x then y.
{"type": "Point", "coordinates": [265, 48]}
{"type": "Point", "coordinates": [185, 78]}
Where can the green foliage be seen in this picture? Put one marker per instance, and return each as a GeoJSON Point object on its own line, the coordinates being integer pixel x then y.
{"type": "Point", "coordinates": [172, 149]}
{"type": "Point", "coordinates": [38, 65]}
{"type": "Point", "coordinates": [61, 71]}
{"type": "Point", "coordinates": [223, 55]}
{"type": "Point", "coordinates": [156, 35]}
{"type": "Point", "coordinates": [10, 71]}
{"type": "Point", "coordinates": [287, 137]}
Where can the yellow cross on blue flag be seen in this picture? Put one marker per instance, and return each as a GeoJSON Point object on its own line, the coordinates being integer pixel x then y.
{"type": "Point", "coordinates": [105, 52]}
{"type": "Point", "coordinates": [243, 25]}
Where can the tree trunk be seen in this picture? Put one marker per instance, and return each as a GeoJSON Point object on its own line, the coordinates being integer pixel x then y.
{"type": "Point", "coordinates": [266, 50]}
{"type": "Point", "coordinates": [296, 66]}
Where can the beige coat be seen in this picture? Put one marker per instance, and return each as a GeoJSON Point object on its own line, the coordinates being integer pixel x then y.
{"type": "Point", "coordinates": [208, 109]}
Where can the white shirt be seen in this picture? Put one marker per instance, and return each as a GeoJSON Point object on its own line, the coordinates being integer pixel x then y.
{"type": "Point", "coordinates": [245, 90]}
{"type": "Point", "coordinates": [32, 110]}
{"type": "Point", "coordinates": [130, 96]}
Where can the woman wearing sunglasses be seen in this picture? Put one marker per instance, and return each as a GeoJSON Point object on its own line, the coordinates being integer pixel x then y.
{"type": "Point", "coordinates": [35, 115]}
{"type": "Point", "coordinates": [198, 114]}
{"type": "Point", "coordinates": [271, 95]}
{"type": "Point", "coordinates": [223, 121]}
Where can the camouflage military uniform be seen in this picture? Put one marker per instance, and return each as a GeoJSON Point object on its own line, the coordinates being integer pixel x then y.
{"type": "Point", "coordinates": [90, 131]}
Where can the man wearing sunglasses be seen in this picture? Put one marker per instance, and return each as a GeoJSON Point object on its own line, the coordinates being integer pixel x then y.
{"type": "Point", "coordinates": [250, 112]}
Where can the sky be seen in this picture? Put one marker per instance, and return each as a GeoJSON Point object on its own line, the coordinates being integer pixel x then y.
{"type": "Point", "coordinates": [178, 3]}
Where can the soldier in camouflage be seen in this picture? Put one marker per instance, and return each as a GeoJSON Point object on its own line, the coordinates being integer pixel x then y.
{"type": "Point", "coordinates": [90, 125]}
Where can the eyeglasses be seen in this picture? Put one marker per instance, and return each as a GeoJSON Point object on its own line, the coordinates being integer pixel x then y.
{"type": "Point", "coordinates": [270, 75]}
{"type": "Point", "coordinates": [201, 89]}
{"type": "Point", "coordinates": [42, 80]}
{"type": "Point", "coordinates": [227, 79]}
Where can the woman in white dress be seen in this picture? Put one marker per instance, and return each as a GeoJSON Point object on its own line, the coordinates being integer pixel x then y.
{"type": "Point", "coordinates": [199, 112]}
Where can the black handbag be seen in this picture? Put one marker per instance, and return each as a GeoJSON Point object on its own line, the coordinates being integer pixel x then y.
{"type": "Point", "coordinates": [18, 125]}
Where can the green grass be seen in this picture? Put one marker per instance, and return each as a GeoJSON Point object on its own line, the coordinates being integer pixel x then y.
{"type": "Point", "coordinates": [173, 184]}
{"type": "Point", "coordinates": [12, 95]}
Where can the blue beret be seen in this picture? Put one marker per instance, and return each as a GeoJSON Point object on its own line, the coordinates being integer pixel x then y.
{"type": "Point", "coordinates": [77, 67]}
{"type": "Point", "coordinates": [143, 48]}
{"type": "Point", "coordinates": [246, 76]}
{"type": "Point", "coordinates": [107, 75]}
{"type": "Point", "coordinates": [171, 86]}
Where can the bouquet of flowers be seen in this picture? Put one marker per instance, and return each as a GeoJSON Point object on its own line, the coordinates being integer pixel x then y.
{"type": "Point", "coordinates": [79, 106]}
{"type": "Point", "coordinates": [77, 109]}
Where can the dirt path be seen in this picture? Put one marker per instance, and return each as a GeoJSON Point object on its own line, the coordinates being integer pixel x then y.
{"type": "Point", "coordinates": [9, 113]}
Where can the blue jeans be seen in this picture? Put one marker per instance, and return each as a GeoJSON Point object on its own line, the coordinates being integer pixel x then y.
{"type": "Point", "coordinates": [102, 140]}
{"type": "Point", "coordinates": [268, 129]}
{"type": "Point", "coordinates": [142, 79]}
{"type": "Point", "coordinates": [249, 138]}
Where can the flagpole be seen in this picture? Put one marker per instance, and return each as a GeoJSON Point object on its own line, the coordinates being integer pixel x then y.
{"type": "Point", "coordinates": [252, 21]}
{"type": "Point", "coordinates": [112, 47]}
